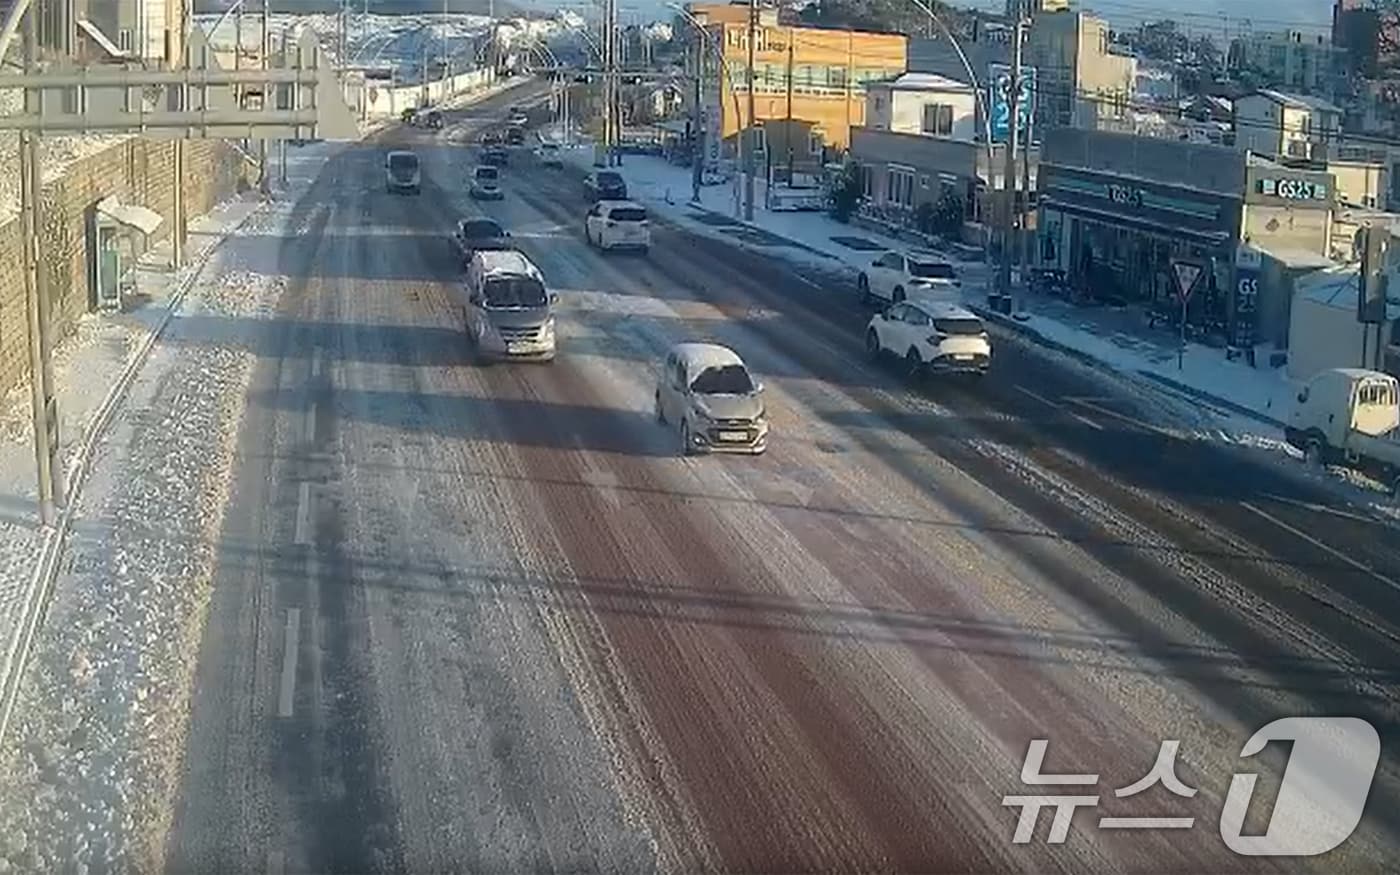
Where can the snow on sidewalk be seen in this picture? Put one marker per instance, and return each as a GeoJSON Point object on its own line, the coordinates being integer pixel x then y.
{"type": "Point", "coordinates": [92, 756]}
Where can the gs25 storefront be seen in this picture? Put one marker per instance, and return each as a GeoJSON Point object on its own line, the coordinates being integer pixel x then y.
{"type": "Point", "coordinates": [1118, 236]}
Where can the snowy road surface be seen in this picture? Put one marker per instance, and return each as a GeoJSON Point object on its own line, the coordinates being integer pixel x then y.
{"type": "Point", "coordinates": [485, 618]}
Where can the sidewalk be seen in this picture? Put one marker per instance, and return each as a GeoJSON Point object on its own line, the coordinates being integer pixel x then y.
{"type": "Point", "coordinates": [1229, 393]}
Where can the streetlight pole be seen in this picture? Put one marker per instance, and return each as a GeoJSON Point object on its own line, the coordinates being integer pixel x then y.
{"type": "Point", "coordinates": [746, 132]}
{"type": "Point", "coordinates": [1009, 181]}
{"type": "Point", "coordinates": [723, 62]}
{"type": "Point", "coordinates": [264, 178]}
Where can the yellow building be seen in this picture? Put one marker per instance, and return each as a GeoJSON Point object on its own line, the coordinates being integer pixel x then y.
{"type": "Point", "coordinates": [822, 72]}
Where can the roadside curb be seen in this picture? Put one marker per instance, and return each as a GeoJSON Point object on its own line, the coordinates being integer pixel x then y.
{"type": "Point", "coordinates": [1231, 406]}
{"type": "Point", "coordinates": [1030, 333]}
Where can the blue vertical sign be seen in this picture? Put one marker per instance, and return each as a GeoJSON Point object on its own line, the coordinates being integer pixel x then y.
{"type": "Point", "coordinates": [999, 102]}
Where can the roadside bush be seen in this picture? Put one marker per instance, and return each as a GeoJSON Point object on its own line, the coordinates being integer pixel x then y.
{"type": "Point", "coordinates": [846, 193]}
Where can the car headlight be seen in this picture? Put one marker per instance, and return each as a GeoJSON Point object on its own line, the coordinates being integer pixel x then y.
{"type": "Point", "coordinates": [762, 414]}
{"type": "Point", "coordinates": [548, 328]}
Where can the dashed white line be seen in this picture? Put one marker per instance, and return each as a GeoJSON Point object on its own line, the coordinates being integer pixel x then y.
{"type": "Point", "coordinates": [1123, 417]}
{"type": "Point", "coordinates": [303, 530]}
{"type": "Point", "coordinates": [309, 423]}
{"type": "Point", "coordinates": [1331, 551]}
{"type": "Point", "coordinates": [1058, 406]}
{"type": "Point", "coordinates": [1322, 508]}
{"type": "Point", "coordinates": [289, 663]}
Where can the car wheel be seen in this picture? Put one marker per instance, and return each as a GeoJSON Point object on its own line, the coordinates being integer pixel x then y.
{"type": "Point", "coordinates": [685, 438]}
{"type": "Point", "coordinates": [898, 294]}
{"type": "Point", "coordinates": [1313, 453]}
{"type": "Point", "coordinates": [660, 411]}
{"type": "Point", "coordinates": [914, 361]}
{"type": "Point", "coordinates": [872, 345]}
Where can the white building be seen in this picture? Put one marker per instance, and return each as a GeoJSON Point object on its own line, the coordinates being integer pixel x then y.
{"type": "Point", "coordinates": [922, 103]}
{"type": "Point", "coordinates": [1286, 125]}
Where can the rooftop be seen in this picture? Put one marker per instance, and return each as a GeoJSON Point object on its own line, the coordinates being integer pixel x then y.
{"type": "Point", "coordinates": [1299, 101]}
{"type": "Point", "coordinates": [925, 82]}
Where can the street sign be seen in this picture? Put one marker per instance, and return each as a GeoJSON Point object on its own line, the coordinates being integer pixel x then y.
{"type": "Point", "coordinates": [1187, 273]}
{"type": "Point", "coordinates": [999, 79]}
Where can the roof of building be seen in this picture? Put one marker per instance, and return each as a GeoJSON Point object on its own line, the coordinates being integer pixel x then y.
{"type": "Point", "coordinates": [1336, 286]}
{"type": "Point", "coordinates": [1296, 259]}
{"type": "Point", "coordinates": [1299, 101]}
{"type": "Point", "coordinates": [923, 82]}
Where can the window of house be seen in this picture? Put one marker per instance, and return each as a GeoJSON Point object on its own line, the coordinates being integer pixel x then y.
{"type": "Point", "coordinates": [124, 39]}
{"type": "Point", "coordinates": [938, 119]}
{"type": "Point", "coordinates": [879, 103]}
{"type": "Point", "coordinates": [899, 186]}
{"type": "Point", "coordinates": [814, 142]}
{"type": "Point", "coordinates": [923, 181]}
{"type": "Point", "coordinates": [836, 77]}
{"type": "Point", "coordinates": [867, 181]}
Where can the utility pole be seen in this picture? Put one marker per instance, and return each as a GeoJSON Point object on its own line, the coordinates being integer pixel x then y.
{"type": "Point", "coordinates": [1008, 179]}
{"type": "Point", "coordinates": [43, 405]}
{"type": "Point", "coordinates": [1027, 242]}
{"type": "Point", "coordinates": [265, 43]}
{"type": "Point", "coordinates": [788, 135]}
{"type": "Point", "coordinates": [698, 140]}
{"type": "Point", "coordinates": [746, 132]}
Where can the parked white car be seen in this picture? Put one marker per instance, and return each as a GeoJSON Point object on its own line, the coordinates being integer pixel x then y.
{"type": "Point", "coordinates": [894, 276]}
{"type": "Point", "coordinates": [617, 224]}
{"type": "Point", "coordinates": [931, 335]}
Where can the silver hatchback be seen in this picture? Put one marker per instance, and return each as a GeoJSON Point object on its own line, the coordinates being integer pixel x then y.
{"type": "Point", "coordinates": [705, 391]}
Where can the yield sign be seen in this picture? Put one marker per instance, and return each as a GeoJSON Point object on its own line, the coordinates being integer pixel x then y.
{"type": "Point", "coordinates": [1187, 272]}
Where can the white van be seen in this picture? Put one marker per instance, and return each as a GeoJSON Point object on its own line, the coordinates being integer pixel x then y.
{"type": "Point", "coordinates": [618, 224]}
{"type": "Point", "coordinates": [508, 312]}
{"type": "Point", "coordinates": [402, 173]}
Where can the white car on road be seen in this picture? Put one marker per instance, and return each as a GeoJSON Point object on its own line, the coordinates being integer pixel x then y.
{"type": "Point", "coordinates": [617, 224]}
{"type": "Point", "coordinates": [895, 276]}
{"type": "Point", "coordinates": [931, 335]}
{"type": "Point", "coordinates": [706, 393]}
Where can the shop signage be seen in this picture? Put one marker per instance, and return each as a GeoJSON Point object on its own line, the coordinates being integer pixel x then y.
{"type": "Point", "coordinates": [1293, 189]}
{"type": "Point", "coordinates": [1248, 262]}
{"type": "Point", "coordinates": [1000, 115]}
{"type": "Point", "coordinates": [1122, 194]}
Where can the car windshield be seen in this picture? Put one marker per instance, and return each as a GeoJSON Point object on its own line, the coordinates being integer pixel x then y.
{"type": "Point", "coordinates": [487, 173]}
{"type": "Point", "coordinates": [932, 270]}
{"type": "Point", "coordinates": [723, 380]}
{"type": "Point", "coordinates": [628, 214]}
{"type": "Point", "coordinates": [609, 179]}
{"type": "Point", "coordinates": [514, 293]}
{"type": "Point", "coordinates": [962, 326]}
{"type": "Point", "coordinates": [403, 163]}
{"type": "Point", "coordinates": [481, 228]}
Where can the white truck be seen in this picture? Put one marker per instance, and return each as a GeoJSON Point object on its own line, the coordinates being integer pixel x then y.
{"type": "Point", "coordinates": [1350, 417]}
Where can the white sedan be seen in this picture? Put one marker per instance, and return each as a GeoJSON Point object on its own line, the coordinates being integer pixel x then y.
{"type": "Point", "coordinates": [895, 276]}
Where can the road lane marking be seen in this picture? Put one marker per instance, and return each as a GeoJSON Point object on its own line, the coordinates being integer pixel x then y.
{"type": "Point", "coordinates": [289, 663]}
{"type": "Point", "coordinates": [303, 530]}
{"type": "Point", "coordinates": [1331, 551]}
{"type": "Point", "coordinates": [1322, 508]}
{"type": "Point", "coordinates": [309, 423]}
{"type": "Point", "coordinates": [1099, 408]}
{"type": "Point", "coordinates": [1058, 406]}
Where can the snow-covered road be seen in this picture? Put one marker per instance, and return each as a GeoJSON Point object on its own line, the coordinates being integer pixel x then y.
{"type": "Point", "coordinates": [485, 618]}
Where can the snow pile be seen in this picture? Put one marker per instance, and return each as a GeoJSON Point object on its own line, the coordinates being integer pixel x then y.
{"type": "Point", "coordinates": [95, 754]}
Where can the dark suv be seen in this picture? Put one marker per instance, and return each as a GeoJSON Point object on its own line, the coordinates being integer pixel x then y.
{"type": "Point", "coordinates": [604, 185]}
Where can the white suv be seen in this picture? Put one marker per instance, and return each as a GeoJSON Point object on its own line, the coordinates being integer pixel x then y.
{"type": "Point", "coordinates": [895, 276]}
{"type": "Point", "coordinates": [615, 224]}
{"type": "Point", "coordinates": [931, 335]}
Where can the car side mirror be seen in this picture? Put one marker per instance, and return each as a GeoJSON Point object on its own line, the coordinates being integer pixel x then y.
{"type": "Point", "coordinates": [876, 263]}
{"type": "Point", "coordinates": [1302, 397]}
{"type": "Point", "coordinates": [884, 315]}
{"type": "Point", "coordinates": [554, 298]}
{"type": "Point", "coordinates": [758, 387]}
{"type": "Point", "coordinates": [506, 234]}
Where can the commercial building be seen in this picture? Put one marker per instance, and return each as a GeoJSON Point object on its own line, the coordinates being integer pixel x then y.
{"type": "Point", "coordinates": [1290, 60]}
{"type": "Point", "coordinates": [904, 172]}
{"type": "Point", "coordinates": [1117, 210]}
{"type": "Point", "coordinates": [1287, 126]}
{"type": "Point", "coordinates": [108, 30]}
{"type": "Point", "coordinates": [1080, 81]}
{"type": "Point", "coordinates": [809, 74]}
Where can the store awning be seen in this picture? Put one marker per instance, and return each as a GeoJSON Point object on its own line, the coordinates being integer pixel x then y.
{"type": "Point", "coordinates": [135, 216]}
{"type": "Point", "coordinates": [1209, 238]}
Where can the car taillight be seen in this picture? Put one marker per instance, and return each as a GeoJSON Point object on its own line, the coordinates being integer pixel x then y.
{"type": "Point", "coordinates": [937, 337]}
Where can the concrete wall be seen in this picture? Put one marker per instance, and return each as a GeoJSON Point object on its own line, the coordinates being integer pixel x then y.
{"type": "Point", "coordinates": [136, 171]}
{"type": "Point", "coordinates": [379, 99]}
{"type": "Point", "coordinates": [1258, 125]}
